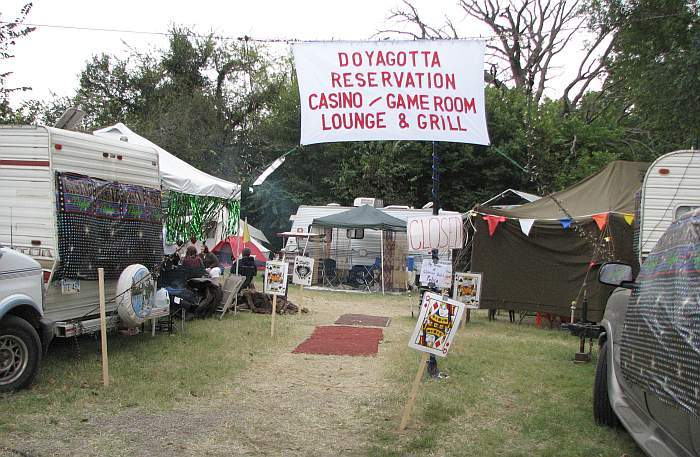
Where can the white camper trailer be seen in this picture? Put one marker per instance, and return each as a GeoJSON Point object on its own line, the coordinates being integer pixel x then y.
{"type": "Point", "coordinates": [670, 189]}
{"type": "Point", "coordinates": [31, 158]}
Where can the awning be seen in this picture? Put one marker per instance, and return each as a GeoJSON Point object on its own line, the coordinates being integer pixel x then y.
{"type": "Point", "coordinates": [176, 174]}
{"type": "Point", "coordinates": [364, 217]}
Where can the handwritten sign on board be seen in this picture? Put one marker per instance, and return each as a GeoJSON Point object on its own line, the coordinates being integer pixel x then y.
{"type": "Point", "coordinates": [436, 274]}
{"type": "Point", "coordinates": [439, 232]}
{"type": "Point", "coordinates": [437, 324]}
{"type": "Point", "coordinates": [392, 90]}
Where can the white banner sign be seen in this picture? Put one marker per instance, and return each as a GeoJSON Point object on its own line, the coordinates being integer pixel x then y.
{"type": "Point", "coordinates": [436, 274]}
{"type": "Point", "coordinates": [392, 90]}
{"type": "Point", "coordinates": [303, 270]}
{"type": "Point", "coordinates": [275, 277]}
{"type": "Point", "coordinates": [437, 324]}
{"type": "Point", "coordinates": [434, 232]}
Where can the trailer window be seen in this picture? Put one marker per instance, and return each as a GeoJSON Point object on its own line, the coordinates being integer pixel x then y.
{"type": "Point", "coordinates": [681, 210]}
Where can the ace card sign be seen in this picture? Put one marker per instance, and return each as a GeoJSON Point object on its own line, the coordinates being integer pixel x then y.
{"type": "Point", "coordinates": [437, 324]}
{"type": "Point", "coordinates": [468, 289]}
{"type": "Point", "coordinates": [303, 270]}
{"type": "Point", "coordinates": [276, 277]}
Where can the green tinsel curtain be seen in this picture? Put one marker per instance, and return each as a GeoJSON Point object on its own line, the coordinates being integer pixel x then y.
{"type": "Point", "coordinates": [188, 215]}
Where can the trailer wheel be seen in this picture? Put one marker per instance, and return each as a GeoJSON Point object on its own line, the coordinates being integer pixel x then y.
{"type": "Point", "coordinates": [602, 409]}
{"type": "Point", "coordinates": [20, 353]}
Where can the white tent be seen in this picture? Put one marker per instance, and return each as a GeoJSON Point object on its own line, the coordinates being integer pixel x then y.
{"type": "Point", "coordinates": [176, 174]}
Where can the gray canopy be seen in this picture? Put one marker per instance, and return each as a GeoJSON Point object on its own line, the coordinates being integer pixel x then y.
{"type": "Point", "coordinates": [364, 217]}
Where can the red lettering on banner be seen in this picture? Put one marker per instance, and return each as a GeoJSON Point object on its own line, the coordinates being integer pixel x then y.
{"type": "Point", "coordinates": [353, 121]}
{"type": "Point", "coordinates": [342, 59]}
{"type": "Point", "coordinates": [400, 101]}
{"type": "Point", "coordinates": [440, 122]}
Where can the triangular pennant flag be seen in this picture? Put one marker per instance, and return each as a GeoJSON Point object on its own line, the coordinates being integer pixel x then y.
{"type": "Point", "coordinates": [600, 220]}
{"type": "Point", "coordinates": [526, 225]}
{"type": "Point", "coordinates": [566, 223]}
{"type": "Point", "coordinates": [629, 218]}
{"type": "Point", "coordinates": [246, 233]}
{"type": "Point", "coordinates": [493, 222]}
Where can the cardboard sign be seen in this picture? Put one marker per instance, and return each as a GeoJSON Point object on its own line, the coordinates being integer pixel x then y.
{"type": "Point", "coordinates": [436, 274]}
{"type": "Point", "coordinates": [275, 277]}
{"type": "Point", "coordinates": [437, 324]}
{"type": "Point", "coordinates": [468, 289]}
{"type": "Point", "coordinates": [303, 270]}
{"type": "Point", "coordinates": [392, 90]}
{"type": "Point", "coordinates": [440, 232]}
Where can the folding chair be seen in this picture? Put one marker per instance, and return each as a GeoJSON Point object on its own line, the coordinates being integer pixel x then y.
{"type": "Point", "coordinates": [330, 275]}
{"type": "Point", "coordinates": [232, 286]}
{"type": "Point", "coordinates": [367, 277]}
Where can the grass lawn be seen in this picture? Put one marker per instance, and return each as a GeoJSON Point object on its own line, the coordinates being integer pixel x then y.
{"type": "Point", "coordinates": [512, 391]}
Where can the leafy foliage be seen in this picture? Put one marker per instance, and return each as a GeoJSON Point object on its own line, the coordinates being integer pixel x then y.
{"type": "Point", "coordinates": [10, 32]}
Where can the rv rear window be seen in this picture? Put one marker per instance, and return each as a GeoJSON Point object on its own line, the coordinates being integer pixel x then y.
{"type": "Point", "coordinates": [681, 210]}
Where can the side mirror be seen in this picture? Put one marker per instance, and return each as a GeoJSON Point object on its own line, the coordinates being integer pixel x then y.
{"type": "Point", "coordinates": [616, 274]}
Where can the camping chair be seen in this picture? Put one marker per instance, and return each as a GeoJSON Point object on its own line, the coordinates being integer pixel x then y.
{"type": "Point", "coordinates": [330, 275]}
{"type": "Point", "coordinates": [232, 286]}
{"type": "Point", "coordinates": [367, 277]}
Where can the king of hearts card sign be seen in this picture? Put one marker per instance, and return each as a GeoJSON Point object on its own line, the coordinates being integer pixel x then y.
{"type": "Point", "coordinates": [437, 324]}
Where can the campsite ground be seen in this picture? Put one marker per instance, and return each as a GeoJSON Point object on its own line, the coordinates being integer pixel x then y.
{"type": "Point", "coordinates": [227, 388]}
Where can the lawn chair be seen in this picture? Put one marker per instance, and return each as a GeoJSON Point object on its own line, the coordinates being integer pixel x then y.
{"type": "Point", "coordinates": [232, 285]}
{"type": "Point", "coordinates": [329, 273]}
{"type": "Point", "coordinates": [368, 276]}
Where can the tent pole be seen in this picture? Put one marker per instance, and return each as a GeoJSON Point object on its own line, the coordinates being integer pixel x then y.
{"type": "Point", "coordinates": [381, 243]}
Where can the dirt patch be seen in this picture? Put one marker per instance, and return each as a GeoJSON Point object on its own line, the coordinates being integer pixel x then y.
{"type": "Point", "coordinates": [363, 319]}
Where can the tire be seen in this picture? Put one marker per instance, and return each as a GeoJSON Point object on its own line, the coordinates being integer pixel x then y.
{"type": "Point", "coordinates": [20, 353]}
{"type": "Point", "coordinates": [603, 413]}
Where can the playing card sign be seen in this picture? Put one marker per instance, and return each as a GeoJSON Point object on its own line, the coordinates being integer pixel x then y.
{"type": "Point", "coordinates": [437, 324]}
{"type": "Point", "coordinates": [303, 270]}
{"type": "Point", "coordinates": [276, 277]}
{"type": "Point", "coordinates": [468, 289]}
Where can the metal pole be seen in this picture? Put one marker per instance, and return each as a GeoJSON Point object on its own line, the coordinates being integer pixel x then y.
{"type": "Point", "coordinates": [433, 369]}
{"type": "Point", "coordinates": [381, 243]}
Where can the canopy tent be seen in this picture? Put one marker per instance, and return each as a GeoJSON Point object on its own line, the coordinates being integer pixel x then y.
{"type": "Point", "coordinates": [364, 217]}
{"type": "Point", "coordinates": [230, 249]}
{"type": "Point", "coordinates": [533, 258]}
{"type": "Point", "coordinates": [176, 174]}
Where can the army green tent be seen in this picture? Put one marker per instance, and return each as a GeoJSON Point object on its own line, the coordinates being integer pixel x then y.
{"type": "Point", "coordinates": [550, 266]}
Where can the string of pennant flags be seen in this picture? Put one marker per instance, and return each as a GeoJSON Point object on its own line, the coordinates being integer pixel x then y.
{"type": "Point", "coordinates": [601, 220]}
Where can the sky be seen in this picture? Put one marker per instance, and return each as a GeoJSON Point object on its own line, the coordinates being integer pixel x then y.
{"type": "Point", "coordinates": [50, 59]}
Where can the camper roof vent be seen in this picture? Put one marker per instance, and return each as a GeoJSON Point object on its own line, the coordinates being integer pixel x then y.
{"type": "Point", "coordinates": [333, 204]}
{"type": "Point", "coordinates": [397, 207]}
{"type": "Point", "coordinates": [376, 202]}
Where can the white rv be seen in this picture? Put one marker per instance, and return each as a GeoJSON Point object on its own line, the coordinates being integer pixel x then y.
{"type": "Point", "coordinates": [670, 189]}
{"type": "Point", "coordinates": [30, 160]}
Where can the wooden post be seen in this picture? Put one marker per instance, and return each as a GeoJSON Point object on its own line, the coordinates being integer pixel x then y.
{"type": "Point", "coordinates": [414, 391]}
{"type": "Point", "coordinates": [466, 317]}
{"type": "Point", "coordinates": [274, 311]}
{"type": "Point", "coordinates": [103, 327]}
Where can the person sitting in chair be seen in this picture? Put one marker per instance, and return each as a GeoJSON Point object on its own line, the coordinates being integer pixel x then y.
{"type": "Point", "coordinates": [247, 268]}
{"type": "Point", "coordinates": [211, 264]}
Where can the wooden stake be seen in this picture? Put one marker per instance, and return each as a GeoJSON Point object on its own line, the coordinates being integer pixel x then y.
{"type": "Point", "coordinates": [103, 326]}
{"type": "Point", "coordinates": [414, 391]}
{"type": "Point", "coordinates": [274, 311]}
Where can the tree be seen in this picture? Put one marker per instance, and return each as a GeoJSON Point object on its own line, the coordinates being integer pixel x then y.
{"type": "Point", "coordinates": [10, 32]}
{"type": "Point", "coordinates": [528, 37]}
{"type": "Point", "coordinates": [654, 68]}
